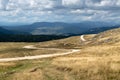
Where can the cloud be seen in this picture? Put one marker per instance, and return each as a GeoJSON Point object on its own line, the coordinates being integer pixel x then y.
{"type": "Point", "coordinates": [59, 10]}
{"type": "Point", "coordinates": [3, 4]}
{"type": "Point", "coordinates": [73, 3]}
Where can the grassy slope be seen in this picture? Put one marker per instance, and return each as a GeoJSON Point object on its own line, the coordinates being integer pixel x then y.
{"type": "Point", "coordinates": [99, 59]}
{"type": "Point", "coordinates": [8, 50]}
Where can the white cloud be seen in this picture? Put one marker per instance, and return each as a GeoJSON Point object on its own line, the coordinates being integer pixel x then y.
{"type": "Point", "coordinates": [73, 3]}
{"type": "Point", "coordinates": [3, 4]}
{"type": "Point", "coordinates": [59, 10]}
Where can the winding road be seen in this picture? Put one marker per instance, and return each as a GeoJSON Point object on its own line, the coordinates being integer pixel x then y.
{"type": "Point", "coordinates": [33, 47]}
{"type": "Point", "coordinates": [41, 56]}
{"type": "Point", "coordinates": [82, 38]}
{"type": "Point", "coordinates": [38, 56]}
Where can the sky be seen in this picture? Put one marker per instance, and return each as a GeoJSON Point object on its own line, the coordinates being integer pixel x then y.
{"type": "Point", "coordinates": [28, 11]}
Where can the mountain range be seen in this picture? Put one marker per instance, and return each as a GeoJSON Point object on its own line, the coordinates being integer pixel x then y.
{"type": "Point", "coordinates": [58, 28]}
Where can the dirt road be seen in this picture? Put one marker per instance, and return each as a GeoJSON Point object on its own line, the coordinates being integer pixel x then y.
{"type": "Point", "coordinates": [38, 56]}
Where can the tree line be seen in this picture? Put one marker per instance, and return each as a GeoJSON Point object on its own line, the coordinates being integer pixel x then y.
{"type": "Point", "coordinates": [29, 38]}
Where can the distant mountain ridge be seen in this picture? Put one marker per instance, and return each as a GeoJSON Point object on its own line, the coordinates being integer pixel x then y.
{"type": "Point", "coordinates": [5, 31]}
{"type": "Point", "coordinates": [11, 32]}
{"type": "Point", "coordinates": [101, 29]}
{"type": "Point", "coordinates": [58, 28]}
{"type": "Point", "coordinates": [45, 31]}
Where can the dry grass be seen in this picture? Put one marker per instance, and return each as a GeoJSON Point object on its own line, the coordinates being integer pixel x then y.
{"type": "Point", "coordinates": [8, 50]}
{"type": "Point", "coordinates": [97, 60]}
{"type": "Point", "coordinates": [107, 37]}
{"type": "Point", "coordinates": [103, 50]}
{"type": "Point", "coordinates": [92, 63]}
{"type": "Point", "coordinates": [90, 68]}
{"type": "Point", "coordinates": [71, 42]}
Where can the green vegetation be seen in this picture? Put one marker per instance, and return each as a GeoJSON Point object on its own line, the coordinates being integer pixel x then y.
{"type": "Point", "coordinates": [29, 38]}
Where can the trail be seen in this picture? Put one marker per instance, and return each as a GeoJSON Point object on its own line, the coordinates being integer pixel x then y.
{"type": "Point", "coordinates": [33, 47]}
{"type": "Point", "coordinates": [82, 38]}
{"type": "Point", "coordinates": [71, 51]}
{"type": "Point", "coordinates": [38, 56]}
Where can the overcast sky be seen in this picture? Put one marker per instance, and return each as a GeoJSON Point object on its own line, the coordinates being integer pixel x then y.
{"type": "Point", "coordinates": [28, 11]}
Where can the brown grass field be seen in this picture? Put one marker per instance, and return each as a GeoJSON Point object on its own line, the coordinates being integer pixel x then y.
{"type": "Point", "coordinates": [99, 59]}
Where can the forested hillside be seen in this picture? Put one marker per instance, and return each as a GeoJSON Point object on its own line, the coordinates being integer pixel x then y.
{"type": "Point", "coordinates": [29, 38]}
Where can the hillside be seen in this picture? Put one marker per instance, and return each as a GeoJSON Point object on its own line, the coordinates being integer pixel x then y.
{"type": "Point", "coordinates": [104, 38]}
{"type": "Point", "coordinates": [5, 31]}
{"type": "Point", "coordinates": [98, 59]}
{"type": "Point", "coordinates": [107, 37]}
{"type": "Point", "coordinates": [28, 38]}
{"type": "Point", "coordinates": [100, 29]}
